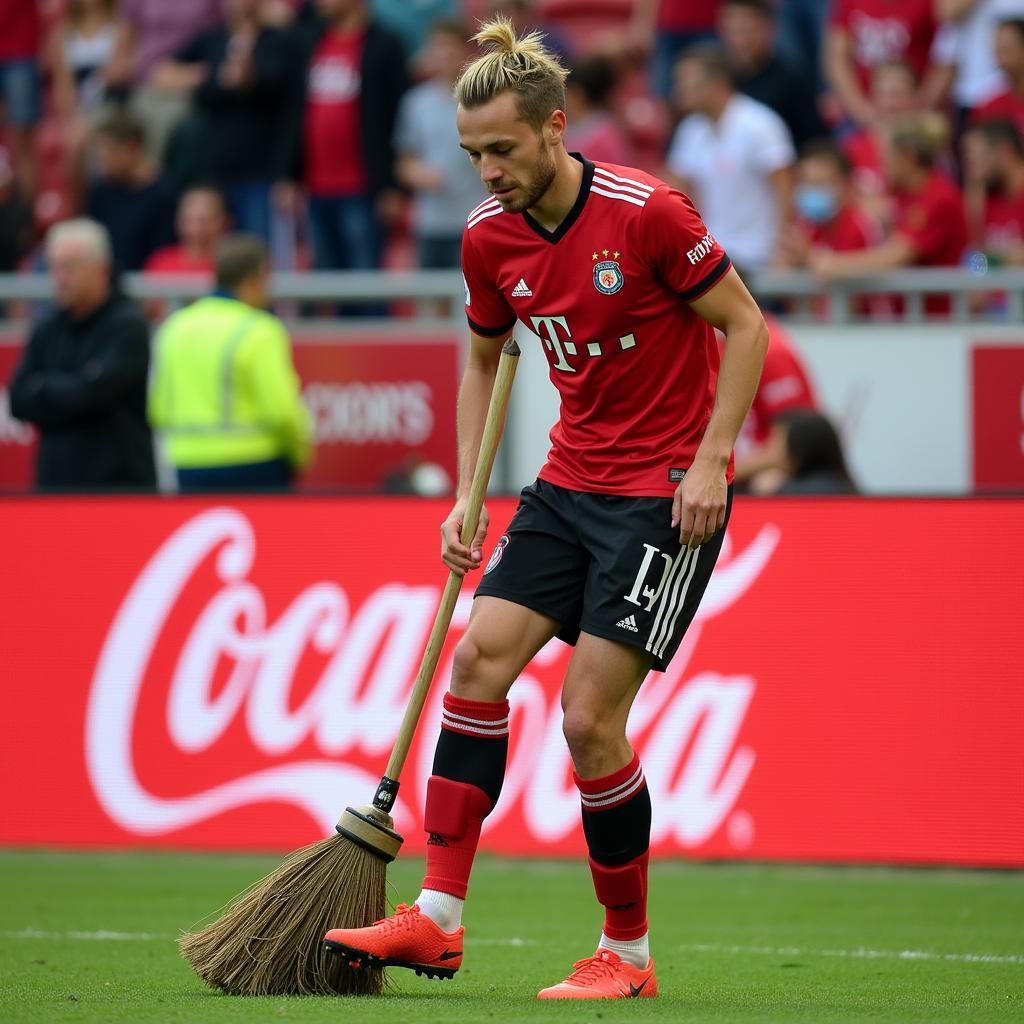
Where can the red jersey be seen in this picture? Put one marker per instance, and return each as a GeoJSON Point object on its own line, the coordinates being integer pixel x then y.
{"type": "Point", "coordinates": [608, 294]}
{"type": "Point", "coordinates": [687, 15]}
{"type": "Point", "coordinates": [885, 30]}
{"type": "Point", "coordinates": [333, 130]}
{"type": "Point", "coordinates": [863, 149]}
{"type": "Point", "coordinates": [851, 229]}
{"type": "Point", "coordinates": [1004, 224]}
{"type": "Point", "coordinates": [784, 385]}
{"type": "Point", "coordinates": [934, 223]}
{"type": "Point", "coordinates": [1004, 107]}
{"type": "Point", "coordinates": [19, 29]}
{"type": "Point", "coordinates": [175, 259]}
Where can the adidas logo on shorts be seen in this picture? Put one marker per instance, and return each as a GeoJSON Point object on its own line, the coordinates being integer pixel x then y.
{"type": "Point", "coordinates": [628, 623]}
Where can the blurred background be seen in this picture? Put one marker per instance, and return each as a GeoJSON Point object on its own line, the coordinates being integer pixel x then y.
{"type": "Point", "coordinates": [861, 161]}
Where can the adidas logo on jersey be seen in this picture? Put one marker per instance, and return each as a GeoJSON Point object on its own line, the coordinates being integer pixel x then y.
{"type": "Point", "coordinates": [522, 290]}
{"type": "Point", "coordinates": [628, 623]}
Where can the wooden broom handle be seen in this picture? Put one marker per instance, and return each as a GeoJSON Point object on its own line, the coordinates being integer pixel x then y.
{"type": "Point", "coordinates": [481, 475]}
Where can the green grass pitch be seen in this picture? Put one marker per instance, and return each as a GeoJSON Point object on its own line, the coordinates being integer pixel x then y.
{"type": "Point", "coordinates": [87, 937]}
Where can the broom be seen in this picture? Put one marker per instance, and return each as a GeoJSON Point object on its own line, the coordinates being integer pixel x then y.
{"type": "Point", "coordinates": [269, 941]}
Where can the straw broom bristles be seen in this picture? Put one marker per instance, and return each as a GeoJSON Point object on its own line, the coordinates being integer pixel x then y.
{"type": "Point", "coordinates": [269, 941]}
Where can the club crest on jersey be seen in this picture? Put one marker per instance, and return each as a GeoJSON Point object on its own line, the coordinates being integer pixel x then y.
{"type": "Point", "coordinates": [496, 556]}
{"type": "Point", "coordinates": [608, 277]}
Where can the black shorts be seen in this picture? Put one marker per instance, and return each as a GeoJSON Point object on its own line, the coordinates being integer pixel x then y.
{"type": "Point", "coordinates": [608, 565]}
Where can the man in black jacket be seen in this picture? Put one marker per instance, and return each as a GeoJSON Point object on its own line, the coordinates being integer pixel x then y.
{"type": "Point", "coordinates": [82, 377]}
{"type": "Point", "coordinates": [354, 77]}
{"type": "Point", "coordinates": [240, 73]}
{"type": "Point", "coordinates": [747, 32]}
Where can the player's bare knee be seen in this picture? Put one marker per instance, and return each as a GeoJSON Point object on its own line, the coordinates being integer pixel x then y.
{"type": "Point", "coordinates": [476, 674]}
{"type": "Point", "coordinates": [585, 732]}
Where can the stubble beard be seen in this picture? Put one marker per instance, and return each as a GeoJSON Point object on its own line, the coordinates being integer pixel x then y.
{"type": "Point", "coordinates": [541, 179]}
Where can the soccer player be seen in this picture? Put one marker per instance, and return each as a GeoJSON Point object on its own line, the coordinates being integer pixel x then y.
{"type": "Point", "coordinates": [612, 547]}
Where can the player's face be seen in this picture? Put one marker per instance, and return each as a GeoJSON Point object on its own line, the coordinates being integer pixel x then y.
{"type": "Point", "coordinates": [513, 159]}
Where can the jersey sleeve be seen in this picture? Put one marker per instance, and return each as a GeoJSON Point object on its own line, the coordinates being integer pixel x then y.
{"type": "Point", "coordinates": [487, 310]}
{"type": "Point", "coordinates": [681, 250]}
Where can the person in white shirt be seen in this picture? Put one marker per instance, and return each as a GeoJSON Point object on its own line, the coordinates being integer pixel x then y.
{"type": "Point", "coordinates": [733, 156]}
{"type": "Point", "coordinates": [965, 48]}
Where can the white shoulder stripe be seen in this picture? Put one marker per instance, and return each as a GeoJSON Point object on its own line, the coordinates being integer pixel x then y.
{"type": "Point", "coordinates": [616, 195]}
{"type": "Point", "coordinates": [483, 216]}
{"type": "Point", "coordinates": [490, 204]}
{"type": "Point", "coordinates": [620, 188]}
{"type": "Point", "coordinates": [624, 181]}
{"type": "Point", "coordinates": [480, 206]}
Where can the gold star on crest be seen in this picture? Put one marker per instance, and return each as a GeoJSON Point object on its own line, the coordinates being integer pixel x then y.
{"type": "Point", "coordinates": [615, 255]}
{"type": "Point", "coordinates": [604, 252]}
{"type": "Point", "coordinates": [594, 257]}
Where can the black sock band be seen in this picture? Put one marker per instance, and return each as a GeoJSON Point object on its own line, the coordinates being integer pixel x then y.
{"type": "Point", "coordinates": [616, 815]}
{"type": "Point", "coordinates": [473, 745]}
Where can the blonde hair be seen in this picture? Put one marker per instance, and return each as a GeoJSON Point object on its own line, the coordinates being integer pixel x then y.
{"type": "Point", "coordinates": [524, 67]}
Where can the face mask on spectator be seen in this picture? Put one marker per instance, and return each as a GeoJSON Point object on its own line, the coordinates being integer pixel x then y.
{"type": "Point", "coordinates": [816, 204]}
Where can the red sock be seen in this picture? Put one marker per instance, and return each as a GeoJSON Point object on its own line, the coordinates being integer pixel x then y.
{"type": "Point", "coordinates": [617, 824]}
{"type": "Point", "coordinates": [469, 767]}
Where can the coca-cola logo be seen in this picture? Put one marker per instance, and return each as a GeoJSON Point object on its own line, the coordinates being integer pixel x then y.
{"type": "Point", "coordinates": [322, 745]}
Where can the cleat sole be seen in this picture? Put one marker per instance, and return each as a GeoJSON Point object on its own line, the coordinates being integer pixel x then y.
{"type": "Point", "coordinates": [359, 958]}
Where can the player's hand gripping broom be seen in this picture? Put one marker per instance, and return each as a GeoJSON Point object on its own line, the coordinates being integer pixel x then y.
{"type": "Point", "coordinates": [269, 939]}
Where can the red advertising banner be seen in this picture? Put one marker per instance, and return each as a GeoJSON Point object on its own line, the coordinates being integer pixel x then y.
{"type": "Point", "coordinates": [998, 374]}
{"type": "Point", "coordinates": [381, 405]}
{"type": "Point", "coordinates": [229, 676]}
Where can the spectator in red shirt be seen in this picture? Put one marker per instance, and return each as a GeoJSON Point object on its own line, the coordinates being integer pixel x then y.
{"type": "Point", "coordinates": [20, 90]}
{"type": "Point", "coordinates": [865, 33]}
{"type": "Point", "coordinates": [930, 228]}
{"type": "Point", "coordinates": [826, 205]}
{"type": "Point", "coordinates": [894, 94]}
{"type": "Point", "coordinates": [201, 223]}
{"type": "Point", "coordinates": [354, 82]}
{"type": "Point", "coordinates": [785, 387]}
{"type": "Point", "coordinates": [1008, 105]}
{"type": "Point", "coordinates": [829, 216]}
{"type": "Point", "coordinates": [994, 186]}
{"type": "Point", "coordinates": [593, 129]}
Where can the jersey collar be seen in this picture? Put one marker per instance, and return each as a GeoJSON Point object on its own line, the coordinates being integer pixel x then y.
{"type": "Point", "coordinates": [577, 208]}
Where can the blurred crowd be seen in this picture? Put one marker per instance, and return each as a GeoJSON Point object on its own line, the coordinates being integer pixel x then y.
{"type": "Point", "coordinates": [845, 136]}
{"type": "Point", "coordinates": [226, 138]}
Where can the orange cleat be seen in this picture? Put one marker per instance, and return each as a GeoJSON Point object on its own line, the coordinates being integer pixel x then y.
{"type": "Point", "coordinates": [406, 939]}
{"type": "Point", "coordinates": [605, 976]}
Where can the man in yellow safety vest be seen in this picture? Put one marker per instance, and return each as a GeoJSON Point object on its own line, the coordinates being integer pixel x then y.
{"type": "Point", "coordinates": [224, 392]}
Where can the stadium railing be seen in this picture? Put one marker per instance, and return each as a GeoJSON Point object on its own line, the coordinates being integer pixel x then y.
{"type": "Point", "coordinates": [797, 293]}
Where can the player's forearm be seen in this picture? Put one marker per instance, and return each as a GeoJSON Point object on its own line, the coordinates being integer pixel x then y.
{"type": "Point", "coordinates": [742, 362]}
{"type": "Point", "coordinates": [474, 396]}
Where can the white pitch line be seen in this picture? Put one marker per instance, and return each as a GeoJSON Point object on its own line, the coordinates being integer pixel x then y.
{"type": "Point", "coordinates": [109, 936]}
{"type": "Point", "coordinates": [99, 936]}
{"type": "Point", "coordinates": [513, 941]}
{"type": "Point", "coordinates": [857, 954]}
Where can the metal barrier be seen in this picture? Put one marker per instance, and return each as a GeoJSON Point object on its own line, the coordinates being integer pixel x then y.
{"type": "Point", "coordinates": [800, 291]}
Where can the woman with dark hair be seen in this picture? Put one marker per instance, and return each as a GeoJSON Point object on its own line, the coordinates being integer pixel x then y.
{"type": "Point", "coordinates": [814, 457]}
